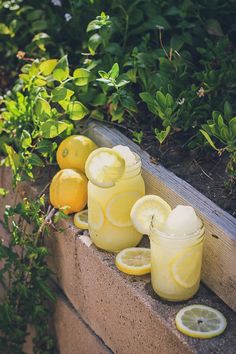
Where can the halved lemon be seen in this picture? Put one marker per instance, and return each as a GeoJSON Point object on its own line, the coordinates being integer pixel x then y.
{"type": "Point", "coordinates": [186, 267]}
{"type": "Point", "coordinates": [119, 206]}
{"type": "Point", "coordinates": [148, 211]}
{"type": "Point", "coordinates": [104, 167]}
{"type": "Point", "coordinates": [81, 219]}
{"type": "Point", "coordinates": [134, 261]}
{"type": "Point", "coordinates": [95, 214]}
{"type": "Point", "coordinates": [200, 321]}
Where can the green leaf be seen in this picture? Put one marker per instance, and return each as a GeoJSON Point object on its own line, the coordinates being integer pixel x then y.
{"type": "Point", "coordinates": [26, 139]}
{"type": "Point", "coordinates": [82, 77]}
{"type": "Point", "coordinates": [47, 66]}
{"type": "Point", "coordinates": [114, 72]}
{"type": "Point", "coordinates": [61, 71]}
{"type": "Point", "coordinates": [208, 138]}
{"type": "Point", "coordinates": [93, 26]}
{"type": "Point", "coordinates": [77, 110]}
{"type": "Point", "coordinates": [213, 27]}
{"type": "Point", "coordinates": [129, 103]}
{"type": "Point", "coordinates": [161, 100]}
{"type": "Point", "coordinates": [94, 42]}
{"type": "Point", "coordinates": [99, 100]}
{"type": "Point", "coordinates": [35, 160]}
{"type": "Point", "coordinates": [42, 108]}
{"type": "Point", "coordinates": [5, 29]}
{"type": "Point", "coordinates": [228, 111]}
{"type": "Point", "coordinates": [3, 192]}
{"type": "Point", "coordinates": [232, 127]}
{"type": "Point", "coordinates": [162, 135]}
{"type": "Point", "coordinates": [176, 42]}
{"type": "Point", "coordinates": [61, 93]}
{"type": "Point", "coordinates": [51, 128]}
{"type": "Point", "coordinates": [44, 146]}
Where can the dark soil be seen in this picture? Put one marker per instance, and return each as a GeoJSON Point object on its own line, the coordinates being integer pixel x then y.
{"type": "Point", "coordinates": [204, 170]}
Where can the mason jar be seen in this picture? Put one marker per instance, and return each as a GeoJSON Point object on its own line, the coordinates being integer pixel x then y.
{"type": "Point", "coordinates": [110, 226]}
{"type": "Point", "coordinates": [176, 262]}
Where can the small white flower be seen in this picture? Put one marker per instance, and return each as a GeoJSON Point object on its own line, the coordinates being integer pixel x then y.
{"type": "Point", "coordinates": [56, 2]}
{"type": "Point", "coordinates": [68, 17]}
{"type": "Point", "coordinates": [180, 101]}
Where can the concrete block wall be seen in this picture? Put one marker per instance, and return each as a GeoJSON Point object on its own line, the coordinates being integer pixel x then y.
{"type": "Point", "coordinates": [102, 310]}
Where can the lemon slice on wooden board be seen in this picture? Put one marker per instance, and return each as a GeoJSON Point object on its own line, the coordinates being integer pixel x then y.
{"type": "Point", "coordinates": [81, 219]}
{"type": "Point", "coordinates": [119, 206]}
{"type": "Point", "coordinates": [149, 210]}
{"type": "Point", "coordinates": [200, 321]}
{"type": "Point", "coordinates": [186, 267]}
{"type": "Point", "coordinates": [134, 261]}
{"type": "Point", "coordinates": [104, 167]}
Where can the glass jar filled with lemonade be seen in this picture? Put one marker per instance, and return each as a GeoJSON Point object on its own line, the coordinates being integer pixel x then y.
{"type": "Point", "coordinates": [176, 254]}
{"type": "Point", "coordinates": [176, 246]}
{"type": "Point", "coordinates": [115, 184]}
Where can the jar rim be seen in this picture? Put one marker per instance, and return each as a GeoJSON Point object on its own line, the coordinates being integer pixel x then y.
{"type": "Point", "coordinates": [198, 233]}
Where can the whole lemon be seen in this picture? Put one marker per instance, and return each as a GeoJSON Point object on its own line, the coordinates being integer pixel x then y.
{"type": "Point", "coordinates": [74, 151]}
{"type": "Point", "coordinates": [69, 189]}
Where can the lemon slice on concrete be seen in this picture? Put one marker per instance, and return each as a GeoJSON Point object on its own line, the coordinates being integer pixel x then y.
{"type": "Point", "coordinates": [186, 267]}
{"type": "Point", "coordinates": [119, 206]}
{"type": "Point", "coordinates": [200, 321]}
{"type": "Point", "coordinates": [81, 219]}
{"type": "Point", "coordinates": [104, 167]}
{"type": "Point", "coordinates": [95, 215]}
{"type": "Point", "coordinates": [148, 211]}
{"type": "Point", "coordinates": [134, 261]}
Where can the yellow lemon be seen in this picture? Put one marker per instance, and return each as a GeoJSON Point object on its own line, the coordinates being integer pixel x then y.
{"type": "Point", "coordinates": [68, 190]}
{"type": "Point", "coordinates": [74, 151]}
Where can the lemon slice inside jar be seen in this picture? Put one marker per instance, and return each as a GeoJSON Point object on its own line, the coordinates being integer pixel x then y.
{"type": "Point", "coordinates": [104, 167]}
{"type": "Point", "coordinates": [81, 219]}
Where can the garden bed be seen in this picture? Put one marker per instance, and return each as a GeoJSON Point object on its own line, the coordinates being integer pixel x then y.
{"type": "Point", "coordinates": [204, 170]}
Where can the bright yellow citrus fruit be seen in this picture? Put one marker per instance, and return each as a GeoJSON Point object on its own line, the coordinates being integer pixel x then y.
{"type": "Point", "coordinates": [74, 151]}
{"type": "Point", "coordinates": [104, 167]}
{"type": "Point", "coordinates": [68, 190]}
{"type": "Point", "coordinates": [200, 321]}
{"type": "Point", "coordinates": [185, 267]}
{"type": "Point", "coordinates": [95, 215]}
{"type": "Point", "coordinates": [134, 261]}
{"type": "Point", "coordinates": [148, 211]}
{"type": "Point", "coordinates": [81, 219]}
{"type": "Point", "coordinates": [119, 206]}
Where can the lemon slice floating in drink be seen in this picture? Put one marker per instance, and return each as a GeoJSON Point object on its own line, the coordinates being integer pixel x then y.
{"type": "Point", "coordinates": [185, 267]}
{"type": "Point", "coordinates": [95, 216]}
{"type": "Point", "coordinates": [134, 261]}
{"type": "Point", "coordinates": [200, 321]}
{"type": "Point", "coordinates": [104, 167]}
{"type": "Point", "coordinates": [148, 211]}
{"type": "Point", "coordinates": [81, 219]}
{"type": "Point", "coordinates": [119, 206]}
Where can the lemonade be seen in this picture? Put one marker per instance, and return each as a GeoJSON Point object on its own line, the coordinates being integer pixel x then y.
{"type": "Point", "coordinates": [109, 207]}
{"type": "Point", "coordinates": [176, 255]}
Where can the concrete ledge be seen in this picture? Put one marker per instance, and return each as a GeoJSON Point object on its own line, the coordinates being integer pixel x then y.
{"type": "Point", "coordinates": [74, 336]}
{"type": "Point", "coordinates": [124, 310]}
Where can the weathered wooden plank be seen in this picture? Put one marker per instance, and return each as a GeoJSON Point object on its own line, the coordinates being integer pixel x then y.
{"type": "Point", "coordinates": [219, 260]}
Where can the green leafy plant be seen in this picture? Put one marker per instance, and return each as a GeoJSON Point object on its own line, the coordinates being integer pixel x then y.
{"type": "Point", "coordinates": [27, 297]}
{"type": "Point", "coordinates": [223, 129]}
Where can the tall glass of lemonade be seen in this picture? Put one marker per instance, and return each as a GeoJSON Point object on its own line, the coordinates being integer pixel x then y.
{"type": "Point", "coordinates": [115, 184]}
{"type": "Point", "coordinates": [176, 254]}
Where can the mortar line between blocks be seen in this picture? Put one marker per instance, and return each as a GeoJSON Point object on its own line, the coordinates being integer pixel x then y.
{"type": "Point", "coordinates": [65, 299]}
